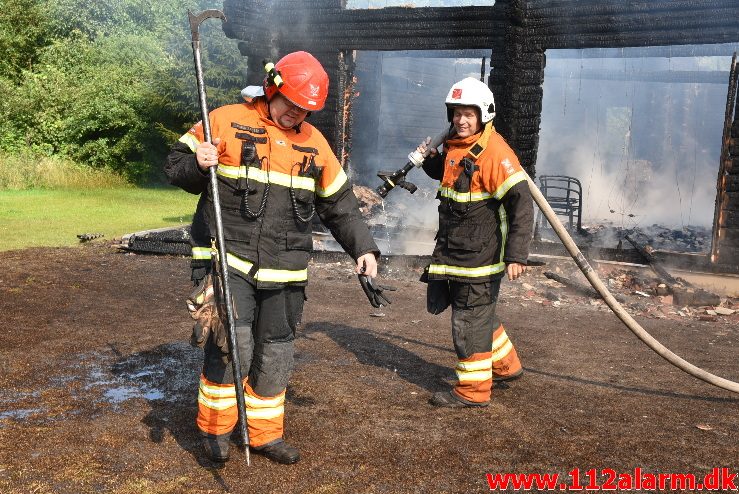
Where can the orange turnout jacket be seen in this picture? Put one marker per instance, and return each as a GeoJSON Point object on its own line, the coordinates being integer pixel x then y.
{"type": "Point", "coordinates": [271, 182]}
{"type": "Point", "coordinates": [486, 211]}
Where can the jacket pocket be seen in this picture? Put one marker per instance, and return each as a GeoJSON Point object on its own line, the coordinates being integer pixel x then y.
{"type": "Point", "coordinates": [298, 241]}
{"type": "Point", "coordinates": [465, 239]}
{"type": "Point", "coordinates": [235, 227]}
{"type": "Point", "coordinates": [303, 208]}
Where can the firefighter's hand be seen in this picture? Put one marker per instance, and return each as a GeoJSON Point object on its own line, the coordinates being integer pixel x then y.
{"type": "Point", "coordinates": [367, 265]}
{"type": "Point", "coordinates": [424, 149]}
{"type": "Point", "coordinates": [514, 270]}
{"type": "Point", "coordinates": [207, 154]}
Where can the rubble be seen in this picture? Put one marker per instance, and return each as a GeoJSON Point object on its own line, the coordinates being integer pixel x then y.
{"type": "Point", "coordinates": [694, 297]}
{"type": "Point", "coordinates": [369, 202]}
{"type": "Point", "coordinates": [689, 239]}
{"type": "Point", "coordinates": [641, 295]}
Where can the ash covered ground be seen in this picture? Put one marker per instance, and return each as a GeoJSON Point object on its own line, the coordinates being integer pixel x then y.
{"type": "Point", "coordinates": [99, 385]}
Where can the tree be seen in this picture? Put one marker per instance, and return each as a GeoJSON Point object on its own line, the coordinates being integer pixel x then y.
{"type": "Point", "coordinates": [115, 90]}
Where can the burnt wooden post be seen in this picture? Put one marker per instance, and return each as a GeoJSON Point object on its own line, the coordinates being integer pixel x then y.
{"type": "Point", "coordinates": [725, 240]}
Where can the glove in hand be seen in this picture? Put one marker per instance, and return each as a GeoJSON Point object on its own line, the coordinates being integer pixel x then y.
{"type": "Point", "coordinates": [374, 292]}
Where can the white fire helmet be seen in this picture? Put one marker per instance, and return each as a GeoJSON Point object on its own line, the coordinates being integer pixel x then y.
{"type": "Point", "coordinates": [471, 92]}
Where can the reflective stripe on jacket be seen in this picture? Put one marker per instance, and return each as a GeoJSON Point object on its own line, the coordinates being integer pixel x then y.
{"type": "Point", "coordinates": [485, 211]}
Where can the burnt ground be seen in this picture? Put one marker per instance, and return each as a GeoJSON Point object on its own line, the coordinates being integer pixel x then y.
{"type": "Point", "coordinates": [98, 387]}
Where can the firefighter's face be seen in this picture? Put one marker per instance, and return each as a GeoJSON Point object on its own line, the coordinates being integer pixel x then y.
{"type": "Point", "coordinates": [466, 120]}
{"type": "Point", "coordinates": [284, 113]}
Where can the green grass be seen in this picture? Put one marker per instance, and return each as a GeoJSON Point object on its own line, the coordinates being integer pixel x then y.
{"type": "Point", "coordinates": [27, 171]}
{"type": "Point", "coordinates": [53, 218]}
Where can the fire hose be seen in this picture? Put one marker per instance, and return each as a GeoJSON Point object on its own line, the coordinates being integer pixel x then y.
{"type": "Point", "coordinates": [589, 273]}
{"type": "Point", "coordinates": [195, 21]}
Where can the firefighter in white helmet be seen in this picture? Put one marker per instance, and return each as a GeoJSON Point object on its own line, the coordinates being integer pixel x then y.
{"type": "Point", "coordinates": [485, 225]}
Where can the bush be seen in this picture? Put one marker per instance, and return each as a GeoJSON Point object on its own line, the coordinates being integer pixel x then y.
{"type": "Point", "coordinates": [112, 92]}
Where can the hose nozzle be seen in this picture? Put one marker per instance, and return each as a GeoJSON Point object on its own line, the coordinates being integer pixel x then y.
{"type": "Point", "coordinates": [390, 180]}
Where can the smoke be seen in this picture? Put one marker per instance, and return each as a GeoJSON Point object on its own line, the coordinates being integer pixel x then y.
{"type": "Point", "coordinates": [632, 193]}
{"type": "Point", "coordinates": [646, 151]}
{"type": "Point", "coordinates": [644, 144]}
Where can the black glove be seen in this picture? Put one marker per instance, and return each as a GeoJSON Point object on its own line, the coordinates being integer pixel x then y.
{"type": "Point", "coordinates": [438, 297]}
{"type": "Point", "coordinates": [375, 293]}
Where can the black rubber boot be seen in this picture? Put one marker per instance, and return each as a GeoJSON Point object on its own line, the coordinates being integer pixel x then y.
{"type": "Point", "coordinates": [216, 446]}
{"type": "Point", "coordinates": [449, 399]}
{"type": "Point", "coordinates": [512, 377]}
{"type": "Point", "coordinates": [279, 451]}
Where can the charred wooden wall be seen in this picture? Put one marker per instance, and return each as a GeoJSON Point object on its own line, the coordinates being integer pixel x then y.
{"type": "Point", "coordinates": [518, 33]}
{"type": "Point", "coordinates": [725, 245]}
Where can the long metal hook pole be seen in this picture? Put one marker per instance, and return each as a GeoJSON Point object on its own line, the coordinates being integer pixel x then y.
{"type": "Point", "coordinates": [220, 241]}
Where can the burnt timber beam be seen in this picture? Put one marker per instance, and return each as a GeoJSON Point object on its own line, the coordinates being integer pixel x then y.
{"type": "Point", "coordinates": [669, 51]}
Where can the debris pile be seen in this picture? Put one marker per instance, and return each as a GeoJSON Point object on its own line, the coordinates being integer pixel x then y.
{"type": "Point", "coordinates": [370, 203]}
{"type": "Point", "coordinates": [689, 239]}
{"type": "Point", "coordinates": [559, 284]}
{"type": "Point", "coordinates": [642, 295]}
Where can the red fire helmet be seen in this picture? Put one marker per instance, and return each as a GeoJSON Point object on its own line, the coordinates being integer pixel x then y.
{"type": "Point", "coordinates": [305, 83]}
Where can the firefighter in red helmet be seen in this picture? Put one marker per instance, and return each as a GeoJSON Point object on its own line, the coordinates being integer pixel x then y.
{"type": "Point", "coordinates": [275, 172]}
{"type": "Point", "coordinates": [485, 224]}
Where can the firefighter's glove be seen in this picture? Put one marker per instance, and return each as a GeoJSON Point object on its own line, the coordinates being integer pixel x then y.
{"type": "Point", "coordinates": [202, 307]}
{"type": "Point", "coordinates": [438, 297]}
{"type": "Point", "coordinates": [375, 293]}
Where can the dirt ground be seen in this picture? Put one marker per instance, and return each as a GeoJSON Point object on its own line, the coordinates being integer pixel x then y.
{"type": "Point", "coordinates": [99, 386]}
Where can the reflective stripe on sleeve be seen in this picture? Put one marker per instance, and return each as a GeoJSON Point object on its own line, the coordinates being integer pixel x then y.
{"type": "Point", "coordinates": [334, 186]}
{"type": "Point", "coordinates": [190, 140]}
{"type": "Point", "coordinates": [201, 253]}
{"type": "Point", "coordinates": [444, 269]}
{"type": "Point", "coordinates": [517, 177]}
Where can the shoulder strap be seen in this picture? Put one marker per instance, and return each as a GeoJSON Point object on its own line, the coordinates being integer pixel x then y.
{"type": "Point", "coordinates": [479, 146]}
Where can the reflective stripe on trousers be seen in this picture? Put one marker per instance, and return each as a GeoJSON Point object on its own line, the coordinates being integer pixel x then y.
{"type": "Point", "coordinates": [265, 330]}
{"type": "Point", "coordinates": [475, 374]}
{"type": "Point", "coordinates": [505, 357]}
{"type": "Point", "coordinates": [218, 413]}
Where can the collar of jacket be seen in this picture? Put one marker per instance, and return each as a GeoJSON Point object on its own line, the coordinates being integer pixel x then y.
{"type": "Point", "coordinates": [260, 104]}
{"type": "Point", "coordinates": [476, 142]}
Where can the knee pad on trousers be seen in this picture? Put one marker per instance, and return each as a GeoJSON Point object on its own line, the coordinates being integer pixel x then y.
{"type": "Point", "coordinates": [272, 367]}
{"type": "Point", "coordinates": [472, 329]}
